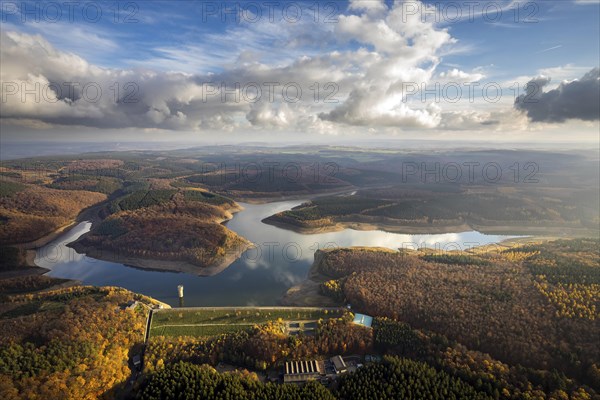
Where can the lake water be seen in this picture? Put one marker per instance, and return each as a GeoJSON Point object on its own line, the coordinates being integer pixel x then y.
{"type": "Point", "coordinates": [279, 260]}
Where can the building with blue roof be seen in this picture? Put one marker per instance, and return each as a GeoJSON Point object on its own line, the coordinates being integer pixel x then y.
{"type": "Point", "coordinates": [364, 320]}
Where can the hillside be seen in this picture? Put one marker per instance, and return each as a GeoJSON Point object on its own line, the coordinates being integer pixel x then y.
{"type": "Point", "coordinates": [138, 219]}
{"type": "Point", "coordinates": [536, 305]}
{"type": "Point", "coordinates": [485, 209]}
{"type": "Point", "coordinates": [70, 343]}
{"type": "Point", "coordinates": [169, 229]}
{"type": "Point", "coordinates": [30, 212]}
{"type": "Point", "coordinates": [78, 342]}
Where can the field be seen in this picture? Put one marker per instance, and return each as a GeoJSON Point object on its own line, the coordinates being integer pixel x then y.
{"type": "Point", "coordinates": [205, 322]}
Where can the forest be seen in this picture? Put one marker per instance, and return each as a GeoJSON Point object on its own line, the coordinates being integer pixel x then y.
{"type": "Point", "coordinates": [419, 364]}
{"type": "Point", "coordinates": [161, 224]}
{"type": "Point", "coordinates": [486, 374]}
{"type": "Point", "coordinates": [516, 322]}
{"type": "Point", "coordinates": [71, 343]}
{"type": "Point", "coordinates": [76, 343]}
{"type": "Point", "coordinates": [394, 378]}
{"type": "Point", "coordinates": [139, 215]}
{"type": "Point", "coordinates": [433, 363]}
{"type": "Point", "coordinates": [529, 312]}
{"type": "Point", "coordinates": [567, 274]}
{"type": "Point", "coordinates": [497, 208]}
{"type": "Point", "coordinates": [41, 195]}
{"type": "Point", "coordinates": [29, 212]}
{"type": "Point", "coordinates": [191, 381]}
{"type": "Point", "coordinates": [397, 378]}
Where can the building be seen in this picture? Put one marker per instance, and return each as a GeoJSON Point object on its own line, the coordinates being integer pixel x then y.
{"type": "Point", "coordinates": [324, 370]}
{"type": "Point", "coordinates": [137, 362]}
{"type": "Point", "coordinates": [302, 371]}
{"type": "Point", "coordinates": [339, 364]}
{"type": "Point", "coordinates": [364, 320]}
{"type": "Point", "coordinates": [372, 358]}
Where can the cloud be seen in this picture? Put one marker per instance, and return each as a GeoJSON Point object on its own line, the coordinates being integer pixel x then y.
{"type": "Point", "coordinates": [40, 82]}
{"type": "Point", "coordinates": [549, 49]}
{"type": "Point", "coordinates": [503, 120]}
{"type": "Point", "coordinates": [355, 79]}
{"type": "Point", "coordinates": [399, 49]}
{"type": "Point", "coordinates": [457, 76]}
{"type": "Point", "coordinates": [373, 7]}
{"type": "Point", "coordinates": [577, 99]}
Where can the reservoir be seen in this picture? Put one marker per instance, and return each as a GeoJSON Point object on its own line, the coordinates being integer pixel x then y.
{"type": "Point", "coordinates": [280, 259]}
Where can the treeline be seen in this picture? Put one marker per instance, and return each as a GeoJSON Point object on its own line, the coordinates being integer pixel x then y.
{"type": "Point", "coordinates": [334, 289]}
{"type": "Point", "coordinates": [154, 235]}
{"type": "Point", "coordinates": [28, 283]}
{"type": "Point", "coordinates": [102, 184]}
{"type": "Point", "coordinates": [565, 261]}
{"type": "Point", "coordinates": [400, 378]}
{"type": "Point", "coordinates": [142, 198]}
{"type": "Point", "coordinates": [423, 365]}
{"type": "Point", "coordinates": [190, 381]}
{"type": "Point", "coordinates": [9, 189]}
{"type": "Point", "coordinates": [207, 197]}
{"type": "Point", "coordinates": [456, 259]}
{"type": "Point", "coordinates": [479, 370]}
{"type": "Point", "coordinates": [391, 334]}
{"type": "Point", "coordinates": [11, 258]}
{"type": "Point", "coordinates": [326, 207]}
{"type": "Point", "coordinates": [280, 177]}
{"type": "Point", "coordinates": [394, 378]}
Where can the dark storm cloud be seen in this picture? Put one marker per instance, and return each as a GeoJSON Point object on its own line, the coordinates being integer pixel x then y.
{"type": "Point", "coordinates": [579, 99]}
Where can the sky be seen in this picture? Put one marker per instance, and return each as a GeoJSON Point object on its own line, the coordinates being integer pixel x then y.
{"type": "Point", "coordinates": [282, 71]}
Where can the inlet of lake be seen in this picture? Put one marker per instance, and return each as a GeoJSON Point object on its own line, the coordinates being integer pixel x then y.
{"type": "Point", "coordinates": [280, 259]}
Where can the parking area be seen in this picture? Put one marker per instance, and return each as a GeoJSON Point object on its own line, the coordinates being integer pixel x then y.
{"type": "Point", "coordinates": [305, 327]}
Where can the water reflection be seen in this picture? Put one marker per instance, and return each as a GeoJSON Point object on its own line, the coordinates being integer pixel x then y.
{"type": "Point", "coordinates": [279, 259]}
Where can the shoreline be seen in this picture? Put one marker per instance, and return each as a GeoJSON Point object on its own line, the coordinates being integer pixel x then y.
{"type": "Point", "coordinates": [47, 238]}
{"type": "Point", "coordinates": [161, 265]}
{"type": "Point", "coordinates": [430, 229]}
{"type": "Point", "coordinates": [307, 293]}
{"type": "Point", "coordinates": [91, 215]}
{"type": "Point", "coordinates": [31, 248]}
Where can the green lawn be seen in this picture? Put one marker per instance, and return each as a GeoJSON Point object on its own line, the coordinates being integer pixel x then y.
{"type": "Point", "coordinates": [209, 322]}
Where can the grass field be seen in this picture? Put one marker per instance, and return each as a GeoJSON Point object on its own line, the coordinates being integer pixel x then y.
{"type": "Point", "coordinates": [204, 322]}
